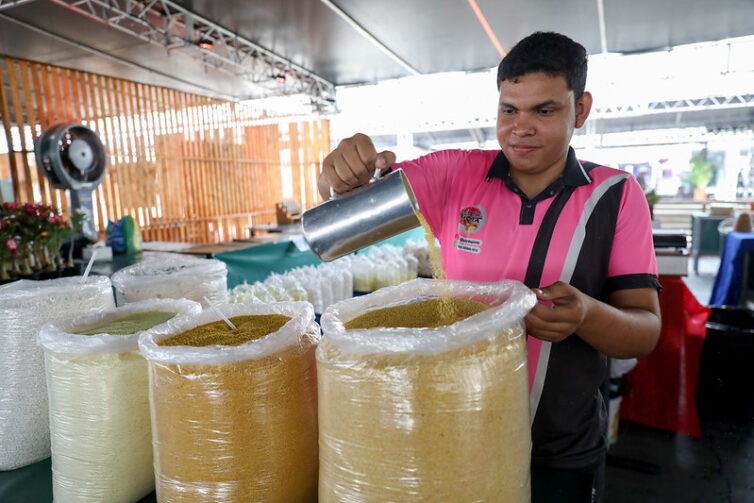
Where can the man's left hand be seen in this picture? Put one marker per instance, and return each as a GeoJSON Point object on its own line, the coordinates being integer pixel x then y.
{"type": "Point", "coordinates": [562, 313]}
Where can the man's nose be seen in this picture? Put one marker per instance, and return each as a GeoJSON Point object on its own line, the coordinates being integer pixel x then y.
{"type": "Point", "coordinates": [523, 127]}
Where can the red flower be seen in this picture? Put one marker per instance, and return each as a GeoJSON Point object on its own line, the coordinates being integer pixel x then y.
{"type": "Point", "coordinates": [10, 206]}
{"type": "Point", "coordinates": [11, 244]}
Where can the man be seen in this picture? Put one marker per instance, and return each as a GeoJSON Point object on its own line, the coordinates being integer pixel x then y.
{"type": "Point", "coordinates": [577, 233]}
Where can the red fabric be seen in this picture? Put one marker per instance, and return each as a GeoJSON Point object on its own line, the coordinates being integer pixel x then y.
{"type": "Point", "coordinates": [662, 386]}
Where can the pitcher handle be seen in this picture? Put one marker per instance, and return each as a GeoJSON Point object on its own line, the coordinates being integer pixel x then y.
{"type": "Point", "coordinates": [375, 177]}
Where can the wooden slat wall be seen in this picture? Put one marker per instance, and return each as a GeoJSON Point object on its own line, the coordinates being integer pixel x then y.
{"type": "Point", "coordinates": [186, 167]}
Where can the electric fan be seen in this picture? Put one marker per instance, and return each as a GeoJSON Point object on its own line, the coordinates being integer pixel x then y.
{"type": "Point", "coordinates": [73, 158]}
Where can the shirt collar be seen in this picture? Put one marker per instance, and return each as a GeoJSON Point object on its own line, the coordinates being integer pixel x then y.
{"type": "Point", "coordinates": [573, 175]}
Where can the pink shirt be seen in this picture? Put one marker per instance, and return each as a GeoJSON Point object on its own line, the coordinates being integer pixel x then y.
{"type": "Point", "coordinates": [499, 247]}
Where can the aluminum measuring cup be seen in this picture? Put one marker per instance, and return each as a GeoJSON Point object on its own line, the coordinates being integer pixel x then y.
{"type": "Point", "coordinates": [361, 217]}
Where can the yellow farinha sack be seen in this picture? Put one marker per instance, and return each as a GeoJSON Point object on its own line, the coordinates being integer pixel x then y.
{"type": "Point", "coordinates": [234, 412]}
{"type": "Point", "coordinates": [409, 412]}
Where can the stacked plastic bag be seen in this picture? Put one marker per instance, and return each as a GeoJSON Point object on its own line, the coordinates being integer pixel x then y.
{"type": "Point", "coordinates": [173, 278]}
{"type": "Point", "coordinates": [236, 423]}
{"type": "Point", "coordinates": [382, 266]}
{"type": "Point", "coordinates": [420, 251]}
{"type": "Point", "coordinates": [322, 285]}
{"type": "Point", "coordinates": [24, 307]}
{"type": "Point", "coordinates": [413, 414]}
{"type": "Point", "coordinates": [99, 403]}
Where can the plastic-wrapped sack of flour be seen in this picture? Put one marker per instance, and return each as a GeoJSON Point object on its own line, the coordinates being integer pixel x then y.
{"type": "Point", "coordinates": [24, 307]}
{"type": "Point", "coordinates": [423, 393]}
{"type": "Point", "coordinates": [174, 278]}
{"type": "Point", "coordinates": [234, 412]}
{"type": "Point", "coordinates": [98, 390]}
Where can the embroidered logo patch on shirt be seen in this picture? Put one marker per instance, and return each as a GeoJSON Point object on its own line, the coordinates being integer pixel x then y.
{"type": "Point", "coordinates": [472, 219]}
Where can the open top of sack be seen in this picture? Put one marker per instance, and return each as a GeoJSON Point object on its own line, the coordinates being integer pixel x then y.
{"type": "Point", "coordinates": [156, 271]}
{"type": "Point", "coordinates": [300, 325]}
{"type": "Point", "coordinates": [19, 293]}
{"type": "Point", "coordinates": [509, 302]}
{"type": "Point", "coordinates": [62, 337]}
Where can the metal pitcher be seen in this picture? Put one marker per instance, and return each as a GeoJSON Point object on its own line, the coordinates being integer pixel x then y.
{"type": "Point", "coordinates": [361, 217]}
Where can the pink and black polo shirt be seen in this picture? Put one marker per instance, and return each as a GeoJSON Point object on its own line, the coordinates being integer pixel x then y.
{"type": "Point", "coordinates": [590, 228]}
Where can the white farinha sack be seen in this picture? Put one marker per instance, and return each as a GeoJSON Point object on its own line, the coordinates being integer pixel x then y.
{"type": "Point", "coordinates": [426, 414]}
{"type": "Point", "coordinates": [24, 307]}
{"type": "Point", "coordinates": [98, 391]}
{"type": "Point", "coordinates": [173, 278]}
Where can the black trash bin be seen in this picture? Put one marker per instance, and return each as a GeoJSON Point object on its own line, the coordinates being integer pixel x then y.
{"type": "Point", "coordinates": [725, 388]}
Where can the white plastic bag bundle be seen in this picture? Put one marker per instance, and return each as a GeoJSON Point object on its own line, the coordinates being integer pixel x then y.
{"type": "Point", "coordinates": [416, 414]}
{"type": "Point", "coordinates": [99, 405]}
{"type": "Point", "coordinates": [236, 423]}
{"type": "Point", "coordinates": [174, 278]}
{"type": "Point", "coordinates": [419, 251]}
{"type": "Point", "coordinates": [24, 307]}
{"type": "Point", "coordinates": [364, 274]}
{"type": "Point", "coordinates": [307, 277]}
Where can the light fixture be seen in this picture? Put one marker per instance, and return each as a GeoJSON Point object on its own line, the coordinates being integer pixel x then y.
{"type": "Point", "coordinates": [280, 77]}
{"type": "Point", "coordinates": [206, 43]}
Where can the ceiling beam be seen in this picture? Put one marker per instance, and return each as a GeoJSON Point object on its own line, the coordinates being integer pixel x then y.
{"type": "Point", "coordinates": [166, 24]}
{"type": "Point", "coordinates": [602, 24]}
{"type": "Point", "coordinates": [479, 136]}
{"type": "Point", "coordinates": [371, 38]}
{"type": "Point", "coordinates": [487, 28]}
{"type": "Point", "coordinates": [117, 59]}
{"type": "Point", "coordinates": [9, 4]}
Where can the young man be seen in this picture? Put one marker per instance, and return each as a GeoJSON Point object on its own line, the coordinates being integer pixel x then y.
{"type": "Point", "coordinates": [577, 233]}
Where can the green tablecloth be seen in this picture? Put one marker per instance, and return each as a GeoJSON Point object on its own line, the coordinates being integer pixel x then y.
{"type": "Point", "coordinates": [255, 263]}
{"type": "Point", "coordinates": [33, 484]}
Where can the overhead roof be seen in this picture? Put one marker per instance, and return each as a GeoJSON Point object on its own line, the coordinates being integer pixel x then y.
{"type": "Point", "coordinates": [348, 41]}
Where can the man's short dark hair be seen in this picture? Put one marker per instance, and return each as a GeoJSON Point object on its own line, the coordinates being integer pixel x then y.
{"type": "Point", "coordinates": [550, 53]}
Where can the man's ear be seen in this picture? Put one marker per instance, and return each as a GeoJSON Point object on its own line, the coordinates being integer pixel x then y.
{"type": "Point", "coordinates": [583, 107]}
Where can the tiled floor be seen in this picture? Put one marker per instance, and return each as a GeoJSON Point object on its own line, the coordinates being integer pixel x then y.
{"type": "Point", "coordinates": [716, 468]}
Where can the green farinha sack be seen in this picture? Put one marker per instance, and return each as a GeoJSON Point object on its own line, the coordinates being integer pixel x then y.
{"type": "Point", "coordinates": [98, 390]}
{"type": "Point", "coordinates": [409, 413]}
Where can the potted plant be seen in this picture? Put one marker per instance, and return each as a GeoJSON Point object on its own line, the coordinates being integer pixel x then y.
{"type": "Point", "coordinates": [652, 199]}
{"type": "Point", "coordinates": [700, 175]}
{"type": "Point", "coordinates": [31, 235]}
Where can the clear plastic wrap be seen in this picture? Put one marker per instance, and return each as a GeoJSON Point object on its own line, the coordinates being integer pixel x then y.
{"type": "Point", "coordinates": [24, 307]}
{"type": "Point", "coordinates": [426, 414]}
{"type": "Point", "coordinates": [173, 278]}
{"type": "Point", "coordinates": [98, 391]}
{"type": "Point", "coordinates": [236, 423]}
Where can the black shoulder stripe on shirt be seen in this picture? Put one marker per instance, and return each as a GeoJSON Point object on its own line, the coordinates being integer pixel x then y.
{"type": "Point", "coordinates": [629, 281]}
{"type": "Point", "coordinates": [588, 165]}
{"type": "Point", "coordinates": [542, 242]}
{"type": "Point", "coordinates": [591, 267]}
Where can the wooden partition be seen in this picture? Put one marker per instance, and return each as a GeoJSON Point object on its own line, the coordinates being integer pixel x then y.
{"type": "Point", "coordinates": [186, 167]}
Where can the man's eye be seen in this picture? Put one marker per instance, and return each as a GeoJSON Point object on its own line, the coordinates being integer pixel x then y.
{"type": "Point", "coordinates": [507, 111]}
{"type": "Point", "coordinates": [546, 111]}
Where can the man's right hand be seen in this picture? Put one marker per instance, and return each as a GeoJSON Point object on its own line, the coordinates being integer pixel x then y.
{"type": "Point", "coordinates": [351, 164]}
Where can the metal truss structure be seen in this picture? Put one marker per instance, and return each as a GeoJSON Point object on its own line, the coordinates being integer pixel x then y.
{"type": "Point", "coordinates": [479, 127]}
{"type": "Point", "coordinates": [167, 24]}
{"type": "Point", "coordinates": [653, 122]}
{"type": "Point", "coordinates": [7, 4]}
{"type": "Point", "coordinates": [672, 106]}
